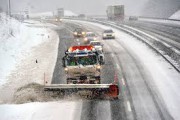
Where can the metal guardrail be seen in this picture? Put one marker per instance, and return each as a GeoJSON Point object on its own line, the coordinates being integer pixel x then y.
{"type": "Point", "coordinates": [150, 18]}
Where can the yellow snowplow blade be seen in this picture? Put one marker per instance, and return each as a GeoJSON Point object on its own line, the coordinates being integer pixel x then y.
{"type": "Point", "coordinates": [109, 90]}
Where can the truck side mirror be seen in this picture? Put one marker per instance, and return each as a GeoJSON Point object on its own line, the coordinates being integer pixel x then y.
{"type": "Point", "coordinates": [101, 60]}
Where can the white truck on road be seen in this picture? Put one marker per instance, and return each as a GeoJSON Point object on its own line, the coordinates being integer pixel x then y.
{"type": "Point", "coordinates": [115, 13]}
{"type": "Point", "coordinates": [83, 65]}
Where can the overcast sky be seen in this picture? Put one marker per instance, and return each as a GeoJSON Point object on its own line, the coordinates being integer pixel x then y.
{"type": "Point", "coordinates": [90, 7]}
{"type": "Point", "coordinates": [162, 8]}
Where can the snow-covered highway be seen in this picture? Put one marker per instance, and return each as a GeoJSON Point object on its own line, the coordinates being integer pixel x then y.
{"type": "Point", "coordinates": [149, 85]}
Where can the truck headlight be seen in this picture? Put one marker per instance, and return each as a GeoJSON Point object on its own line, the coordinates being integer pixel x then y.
{"type": "Point", "coordinates": [83, 33]}
{"type": "Point", "coordinates": [113, 34]}
{"type": "Point", "coordinates": [75, 33]}
{"type": "Point", "coordinates": [104, 35]}
{"type": "Point", "coordinates": [66, 69]}
{"type": "Point", "coordinates": [98, 67]}
{"type": "Point", "coordinates": [95, 38]}
{"type": "Point", "coordinates": [85, 39]}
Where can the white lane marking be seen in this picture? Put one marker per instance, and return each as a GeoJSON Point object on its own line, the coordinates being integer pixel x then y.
{"type": "Point", "coordinates": [123, 82]}
{"type": "Point", "coordinates": [129, 106]}
{"type": "Point", "coordinates": [77, 109]}
{"type": "Point", "coordinates": [77, 39]}
{"type": "Point", "coordinates": [117, 66]}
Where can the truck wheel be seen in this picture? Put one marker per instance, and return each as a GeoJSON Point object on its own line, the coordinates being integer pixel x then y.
{"type": "Point", "coordinates": [99, 82]}
{"type": "Point", "coordinates": [114, 98]}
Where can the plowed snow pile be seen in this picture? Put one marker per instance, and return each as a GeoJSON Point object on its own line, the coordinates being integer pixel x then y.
{"type": "Point", "coordinates": [30, 93]}
{"type": "Point", "coordinates": [34, 92]}
{"type": "Point", "coordinates": [176, 15]}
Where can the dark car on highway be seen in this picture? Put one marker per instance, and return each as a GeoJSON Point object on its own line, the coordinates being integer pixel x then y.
{"type": "Point", "coordinates": [79, 32]}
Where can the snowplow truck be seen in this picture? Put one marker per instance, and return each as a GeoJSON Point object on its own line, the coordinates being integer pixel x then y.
{"type": "Point", "coordinates": [82, 65]}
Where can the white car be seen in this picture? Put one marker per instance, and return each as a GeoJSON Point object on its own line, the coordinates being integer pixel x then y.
{"type": "Point", "coordinates": [97, 45]}
{"type": "Point", "coordinates": [108, 34]}
{"type": "Point", "coordinates": [90, 36]}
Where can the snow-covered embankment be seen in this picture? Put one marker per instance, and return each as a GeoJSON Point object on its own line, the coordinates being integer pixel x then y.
{"type": "Point", "coordinates": [27, 52]}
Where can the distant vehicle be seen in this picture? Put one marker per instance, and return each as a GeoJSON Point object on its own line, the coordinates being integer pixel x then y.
{"type": "Point", "coordinates": [59, 14]}
{"type": "Point", "coordinates": [58, 20]}
{"type": "Point", "coordinates": [108, 34]}
{"type": "Point", "coordinates": [115, 12]}
{"type": "Point", "coordinates": [133, 18]}
{"type": "Point", "coordinates": [81, 16]}
{"type": "Point", "coordinates": [90, 36]}
{"type": "Point", "coordinates": [79, 32]}
{"type": "Point", "coordinates": [97, 45]}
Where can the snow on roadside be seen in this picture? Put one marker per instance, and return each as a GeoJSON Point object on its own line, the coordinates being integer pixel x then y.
{"type": "Point", "coordinates": [8, 48]}
{"type": "Point", "coordinates": [61, 110]}
{"type": "Point", "coordinates": [19, 54]}
{"type": "Point", "coordinates": [28, 71]}
{"type": "Point", "coordinates": [41, 24]}
{"type": "Point", "coordinates": [16, 43]}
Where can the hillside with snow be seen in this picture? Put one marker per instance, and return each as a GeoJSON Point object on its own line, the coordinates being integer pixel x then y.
{"type": "Point", "coordinates": [50, 14]}
{"type": "Point", "coordinates": [160, 8]}
{"type": "Point", "coordinates": [16, 40]}
{"type": "Point", "coordinates": [176, 15]}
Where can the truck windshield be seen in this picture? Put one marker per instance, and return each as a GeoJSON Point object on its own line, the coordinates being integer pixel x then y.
{"type": "Point", "coordinates": [95, 43]}
{"type": "Point", "coordinates": [90, 35]}
{"type": "Point", "coordinates": [108, 31]}
{"type": "Point", "coordinates": [78, 30]}
{"type": "Point", "coordinates": [72, 61]}
{"type": "Point", "coordinates": [82, 60]}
